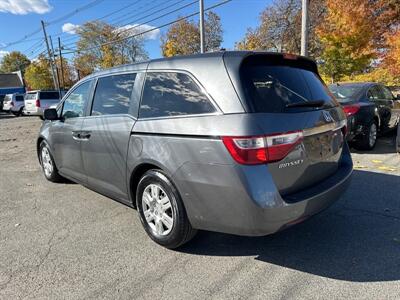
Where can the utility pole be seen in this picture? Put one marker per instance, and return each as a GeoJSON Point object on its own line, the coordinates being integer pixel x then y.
{"type": "Point", "coordinates": [55, 65]}
{"type": "Point", "coordinates": [61, 63]}
{"type": "Point", "coordinates": [201, 4]}
{"type": "Point", "coordinates": [48, 52]}
{"type": "Point", "coordinates": [304, 28]}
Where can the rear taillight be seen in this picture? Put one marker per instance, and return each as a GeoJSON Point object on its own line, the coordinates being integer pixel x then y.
{"type": "Point", "coordinates": [351, 109]}
{"type": "Point", "coordinates": [11, 104]}
{"type": "Point", "coordinates": [37, 103]}
{"type": "Point", "coordinates": [253, 150]}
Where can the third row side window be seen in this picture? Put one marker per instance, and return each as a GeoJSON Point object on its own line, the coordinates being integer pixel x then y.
{"type": "Point", "coordinates": [172, 94]}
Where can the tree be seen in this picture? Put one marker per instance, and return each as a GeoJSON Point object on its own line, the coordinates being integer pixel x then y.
{"type": "Point", "coordinates": [14, 61]}
{"type": "Point", "coordinates": [38, 76]}
{"type": "Point", "coordinates": [347, 38]}
{"type": "Point", "coordinates": [280, 28]}
{"type": "Point", "coordinates": [183, 37]}
{"type": "Point", "coordinates": [67, 76]}
{"type": "Point", "coordinates": [102, 45]}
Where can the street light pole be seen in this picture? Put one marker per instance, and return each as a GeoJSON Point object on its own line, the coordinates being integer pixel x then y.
{"type": "Point", "coordinates": [202, 47]}
{"type": "Point", "coordinates": [304, 28]}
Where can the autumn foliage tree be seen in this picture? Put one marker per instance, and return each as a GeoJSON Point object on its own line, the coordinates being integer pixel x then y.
{"type": "Point", "coordinates": [183, 37]}
{"type": "Point", "coordinates": [280, 28]}
{"type": "Point", "coordinates": [38, 76]}
{"type": "Point", "coordinates": [14, 61]}
{"type": "Point", "coordinates": [102, 45]}
{"type": "Point", "coordinates": [347, 38]}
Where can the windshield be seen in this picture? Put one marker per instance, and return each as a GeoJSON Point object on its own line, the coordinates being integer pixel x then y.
{"type": "Point", "coordinates": [345, 93]}
{"type": "Point", "coordinates": [275, 87]}
{"type": "Point", "coordinates": [31, 96]}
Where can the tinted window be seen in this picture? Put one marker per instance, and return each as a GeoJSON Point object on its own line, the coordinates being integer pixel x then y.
{"type": "Point", "coordinates": [375, 93]}
{"type": "Point", "coordinates": [74, 104]}
{"type": "Point", "coordinates": [172, 94]}
{"type": "Point", "coordinates": [387, 94]}
{"type": "Point", "coordinates": [270, 87]}
{"type": "Point", "coordinates": [113, 94]}
{"type": "Point", "coordinates": [49, 95]}
{"type": "Point", "coordinates": [31, 96]}
{"type": "Point", "coordinates": [19, 98]}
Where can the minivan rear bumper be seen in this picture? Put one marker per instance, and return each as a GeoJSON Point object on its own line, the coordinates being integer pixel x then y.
{"type": "Point", "coordinates": [243, 200]}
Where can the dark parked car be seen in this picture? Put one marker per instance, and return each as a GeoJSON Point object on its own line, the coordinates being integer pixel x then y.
{"type": "Point", "coordinates": [237, 142]}
{"type": "Point", "coordinates": [398, 139]}
{"type": "Point", "coordinates": [368, 107]}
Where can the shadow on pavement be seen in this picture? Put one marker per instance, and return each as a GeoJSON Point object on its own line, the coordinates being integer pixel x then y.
{"type": "Point", "coordinates": [385, 144]}
{"type": "Point", "coordinates": [4, 115]}
{"type": "Point", "coordinates": [357, 239]}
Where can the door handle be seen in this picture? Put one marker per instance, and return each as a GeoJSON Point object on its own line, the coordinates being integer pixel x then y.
{"type": "Point", "coordinates": [76, 135]}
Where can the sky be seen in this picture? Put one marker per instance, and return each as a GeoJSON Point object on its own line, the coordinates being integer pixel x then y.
{"type": "Point", "coordinates": [20, 20]}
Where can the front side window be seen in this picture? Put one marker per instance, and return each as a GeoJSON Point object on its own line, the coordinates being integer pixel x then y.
{"type": "Point", "coordinates": [113, 94]}
{"type": "Point", "coordinates": [172, 94]}
{"type": "Point", "coordinates": [75, 103]}
{"type": "Point", "coordinates": [386, 93]}
{"type": "Point", "coordinates": [19, 98]}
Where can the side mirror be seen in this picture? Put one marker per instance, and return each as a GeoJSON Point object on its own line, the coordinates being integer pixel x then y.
{"type": "Point", "coordinates": [50, 114]}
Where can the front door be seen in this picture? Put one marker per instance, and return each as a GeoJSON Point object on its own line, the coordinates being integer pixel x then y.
{"type": "Point", "coordinates": [66, 133]}
{"type": "Point", "coordinates": [108, 130]}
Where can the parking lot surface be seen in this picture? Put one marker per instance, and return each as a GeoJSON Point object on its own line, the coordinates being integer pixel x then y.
{"type": "Point", "coordinates": [63, 241]}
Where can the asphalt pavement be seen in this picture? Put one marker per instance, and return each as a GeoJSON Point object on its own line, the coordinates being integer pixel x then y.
{"type": "Point", "coordinates": [63, 241]}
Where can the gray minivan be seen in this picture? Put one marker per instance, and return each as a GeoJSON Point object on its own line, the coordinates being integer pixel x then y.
{"type": "Point", "coordinates": [245, 143]}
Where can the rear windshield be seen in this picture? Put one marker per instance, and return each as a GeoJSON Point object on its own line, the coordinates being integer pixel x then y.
{"type": "Point", "coordinates": [271, 84]}
{"type": "Point", "coordinates": [49, 95]}
{"type": "Point", "coordinates": [345, 93]}
{"type": "Point", "coordinates": [31, 96]}
{"type": "Point", "coordinates": [7, 98]}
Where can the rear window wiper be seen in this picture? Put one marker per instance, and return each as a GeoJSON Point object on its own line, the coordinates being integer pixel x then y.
{"type": "Point", "coordinates": [316, 103]}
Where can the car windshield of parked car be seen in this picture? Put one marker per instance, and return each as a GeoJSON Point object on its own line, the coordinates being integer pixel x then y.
{"type": "Point", "coordinates": [345, 93]}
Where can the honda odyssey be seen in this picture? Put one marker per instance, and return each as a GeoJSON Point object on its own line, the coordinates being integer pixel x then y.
{"type": "Point", "coordinates": [245, 143]}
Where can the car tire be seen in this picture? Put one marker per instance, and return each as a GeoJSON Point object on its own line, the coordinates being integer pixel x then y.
{"type": "Point", "coordinates": [47, 162]}
{"type": "Point", "coordinates": [368, 140]}
{"type": "Point", "coordinates": [161, 210]}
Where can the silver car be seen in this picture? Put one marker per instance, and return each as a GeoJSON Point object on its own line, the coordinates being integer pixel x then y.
{"type": "Point", "coordinates": [37, 101]}
{"type": "Point", "coordinates": [14, 103]}
{"type": "Point", "coordinates": [243, 143]}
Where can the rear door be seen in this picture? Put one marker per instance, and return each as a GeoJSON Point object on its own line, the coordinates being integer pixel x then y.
{"type": "Point", "coordinates": [280, 93]}
{"type": "Point", "coordinates": [107, 130]}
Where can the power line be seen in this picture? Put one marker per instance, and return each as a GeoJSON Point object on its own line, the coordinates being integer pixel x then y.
{"type": "Point", "coordinates": [150, 30]}
{"type": "Point", "coordinates": [114, 24]}
{"type": "Point", "coordinates": [151, 20]}
{"type": "Point", "coordinates": [25, 37]}
{"type": "Point", "coordinates": [74, 12]}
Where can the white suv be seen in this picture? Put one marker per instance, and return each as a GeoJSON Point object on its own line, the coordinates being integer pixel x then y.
{"type": "Point", "coordinates": [14, 103]}
{"type": "Point", "coordinates": [37, 101]}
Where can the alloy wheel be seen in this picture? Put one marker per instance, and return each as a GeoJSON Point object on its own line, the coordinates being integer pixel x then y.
{"type": "Point", "coordinates": [157, 210]}
{"type": "Point", "coordinates": [47, 163]}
